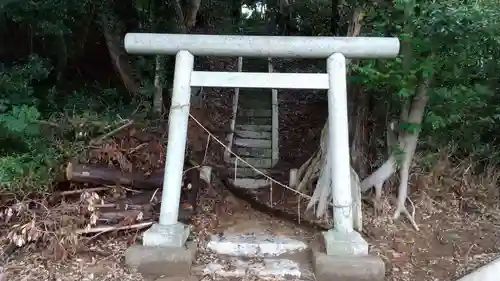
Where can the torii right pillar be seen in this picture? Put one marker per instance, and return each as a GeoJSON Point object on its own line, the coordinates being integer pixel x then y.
{"type": "Point", "coordinates": [345, 253]}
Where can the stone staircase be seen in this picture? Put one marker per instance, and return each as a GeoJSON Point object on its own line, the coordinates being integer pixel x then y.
{"type": "Point", "coordinates": [254, 131]}
{"type": "Point", "coordinates": [257, 256]}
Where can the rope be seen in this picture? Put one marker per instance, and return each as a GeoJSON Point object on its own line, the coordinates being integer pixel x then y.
{"type": "Point", "coordinates": [242, 160]}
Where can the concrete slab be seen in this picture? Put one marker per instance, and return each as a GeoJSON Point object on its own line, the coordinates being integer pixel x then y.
{"type": "Point", "coordinates": [256, 245]}
{"type": "Point", "coordinates": [255, 112]}
{"type": "Point", "coordinates": [264, 269]}
{"type": "Point", "coordinates": [253, 134]}
{"type": "Point", "coordinates": [161, 261]}
{"type": "Point", "coordinates": [348, 268]}
{"type": "Point", "coordinates": [253, 120]}
{"type": "Point", "coordinates": [253, 143]}
{"type": "Point", "coordinates": [254, 162]}
{"type": "Point", "coordinates": [249, 183]}
{"type": "Point", "coordinates": [249, 173]}
{"type": "Point", "coordinates": [254, 152]}
{"type": "Point", "coordinates": [257, 128]}
{"type": "Point", "coordinates": [488, 272]}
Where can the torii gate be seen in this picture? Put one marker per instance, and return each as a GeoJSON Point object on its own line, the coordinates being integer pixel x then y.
{"type": "Point", "coordinates": [171, 233]}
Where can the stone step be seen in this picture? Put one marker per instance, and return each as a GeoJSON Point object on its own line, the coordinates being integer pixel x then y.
{"type": "Point", "coordinates": [249, 173]}
{"type": "Point", "coordinates": [252, 143]}
{"type": "Point", "coordinates": [253, 134]}
{"type": "Point", "coordinates": [257, 255]}
{"type": "Point", "coordinates": [256, 245]}
{"type": "Point", "coordinates": [257, 128]}
{"type": "Point", "coordinates": [253, 120]}
{"type": "Point", "coordinates": [255, 112]}
{"type": "Point", "coordinates": [266, 269]}
{"type": "Point", "coordinates": [261, 101]}
{"type": "Point", "coordinates": [254, 152]}
{"type": "Point", "coordinates": [255, 162]}
{"type": "Point", "coordinates": [255, 95]}
{"type": "Point", "coordinates": [249, 183]}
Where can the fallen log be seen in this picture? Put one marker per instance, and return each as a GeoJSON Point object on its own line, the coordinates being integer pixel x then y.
{"type": "Point", "coordinates": [84, 173]}
{"type": "Point", "coordinates": [193, 180]}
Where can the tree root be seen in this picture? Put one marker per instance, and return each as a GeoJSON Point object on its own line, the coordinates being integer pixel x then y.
{"type": "Point", "coordinates": [317, 167]}
{"type": "Point", "coordinates": [377, 199]}
{"type": "Point", "coordinates": [401, 209]}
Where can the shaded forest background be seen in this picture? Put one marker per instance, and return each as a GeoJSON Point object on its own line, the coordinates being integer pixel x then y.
{"type": "Point", "coordinates": [65, 77]}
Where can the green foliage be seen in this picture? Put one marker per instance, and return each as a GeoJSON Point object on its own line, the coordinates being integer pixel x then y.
{"type": "Point", "coordinates": [458, 42]}
{"type": "Point", "coordinates": [26, 158]}
{"type": "Point", "coordinates": [314, 17]}
{"type": "Point", "coordinates": [49, 17]}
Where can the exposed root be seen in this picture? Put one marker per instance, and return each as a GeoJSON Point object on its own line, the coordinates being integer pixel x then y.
{"type": "Point", "coordinates": [380, 176]}
{"type": "Point", "coordinates": [401, 209]}
{"type": "Point", "coordinates": [377, 199]}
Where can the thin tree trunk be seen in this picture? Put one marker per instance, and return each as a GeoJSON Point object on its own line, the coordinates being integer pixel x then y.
{"type": "Point", "coordinates": [158, 85]}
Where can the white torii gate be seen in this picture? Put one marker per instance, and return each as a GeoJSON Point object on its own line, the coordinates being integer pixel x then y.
{"type": "Point", "coordinates": [169, 232]}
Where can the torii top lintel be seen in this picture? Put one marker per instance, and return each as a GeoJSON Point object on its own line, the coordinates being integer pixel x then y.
{"type": "Point", "coordinates": [262, 46]}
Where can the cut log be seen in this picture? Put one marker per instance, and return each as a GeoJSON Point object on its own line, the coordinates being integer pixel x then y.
{"type": "Point", "coordinates": [192, 182]}
{"type": "Point", "coordinates": [84, 173]}
{"type": "Point", "coordinates": [118, 215]}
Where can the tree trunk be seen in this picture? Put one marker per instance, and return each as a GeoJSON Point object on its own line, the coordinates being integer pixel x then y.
{"type": "Point", "coordinates": [408, 144]}
{"type": "Point", "coordinates": [159, 78]}
{"type": "Point", "coordinates": [158, 85]}
{"type": "Point", "coordinates": [191, 8]}
{"type": "Point", "coordinates": [113, 32]}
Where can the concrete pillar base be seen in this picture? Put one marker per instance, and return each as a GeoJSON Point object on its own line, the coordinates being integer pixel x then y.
{"type": "Point", "coordinates": [161, 261]}
{"type": "Point", "coordinates": [174, 235]}
{"type": "Point", "coordinates": [344, 244]}
{"type": "Point", "coordinates": [348, 268]}
{"type": "Point", "coordinates": [344, 256]}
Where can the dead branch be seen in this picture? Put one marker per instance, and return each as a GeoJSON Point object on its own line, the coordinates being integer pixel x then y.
{"type": "Point", "coordinates": [115, 216]}
{"type": "Point", "coordinates": [103, 229]}
{"type": "Point", "coordinates": [99, 140]}
{"type": "Point", "coordinates": [78, 191]}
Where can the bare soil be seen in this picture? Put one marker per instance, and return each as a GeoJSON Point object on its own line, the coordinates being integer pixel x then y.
{"type": "Point", "coordinates": [452, 241]}
{"type": "Point", "coordinates": [449, 244]}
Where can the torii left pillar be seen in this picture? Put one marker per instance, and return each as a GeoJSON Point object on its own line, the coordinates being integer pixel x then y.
{"type": "Point", "coordinates": [165, 250]}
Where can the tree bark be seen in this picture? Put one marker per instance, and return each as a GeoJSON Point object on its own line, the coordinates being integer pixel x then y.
{"type": "Point", "coordinates": [191, 9]}
{"type": "Point", "coordinates": [118, 55]}
{"type": "Point", "coordinates": [84, 173]}
{"type": "Point", "coordinates": [158, 85]}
